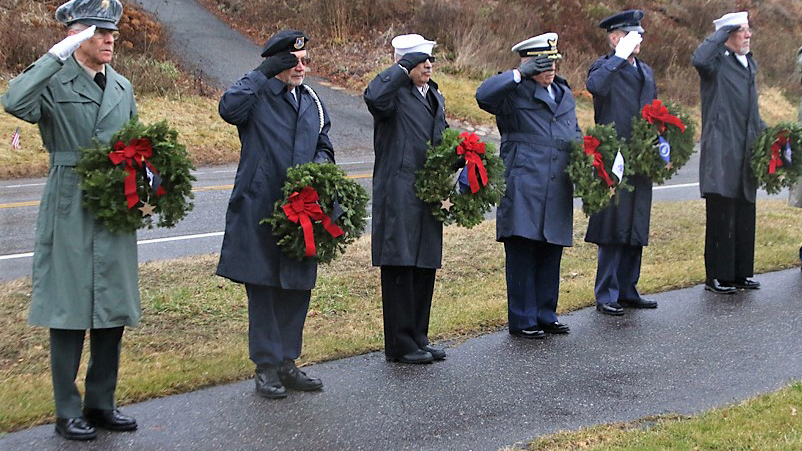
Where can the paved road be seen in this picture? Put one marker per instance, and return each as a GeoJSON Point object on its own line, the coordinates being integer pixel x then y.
{"type": "Point", "coordinates": [696, 351]}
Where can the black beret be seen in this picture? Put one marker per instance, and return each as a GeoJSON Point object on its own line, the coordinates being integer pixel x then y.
{"type": "Point", "coordinates": [285, 41]}
{"type": "Point", "coordinates": [627, 21]}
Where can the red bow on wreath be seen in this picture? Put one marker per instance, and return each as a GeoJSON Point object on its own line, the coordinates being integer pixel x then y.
{"type": "Point", "coordinates": [591, 144]}
{"type": "Point", "coordinates": [472, 148]}
{"type": "Point", "coordinates": [137, 151]}
{"type": "Point", "coordinates": [778, 144]}
{"type": "Point", "coordinates": [656, 113]}
{"type": "Point", "coordinates": [303, 207]}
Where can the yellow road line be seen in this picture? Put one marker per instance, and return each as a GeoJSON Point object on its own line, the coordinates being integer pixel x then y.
{"type": "Point", "coordinates": [34, 203]}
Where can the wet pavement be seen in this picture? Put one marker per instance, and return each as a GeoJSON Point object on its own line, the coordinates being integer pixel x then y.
{"type": "Point", "coordinates": [696, 351]}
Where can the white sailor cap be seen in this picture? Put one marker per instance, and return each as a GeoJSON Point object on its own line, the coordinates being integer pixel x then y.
{"type": "Point", "coordinates": [544, 44]}
{"type": "Point", "coordinates": [409, 43]}
{"type": "Point", "coordinates": [739, 18]}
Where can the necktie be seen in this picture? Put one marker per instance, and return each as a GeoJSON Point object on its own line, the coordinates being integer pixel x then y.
{"type": "Point", "coordinates": [100, 79]}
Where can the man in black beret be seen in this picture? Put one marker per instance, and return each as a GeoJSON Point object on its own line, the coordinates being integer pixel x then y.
{"type": "Point", "coordinates": [281, 123]}
{"type": "Point", "coordinates": [621, 85]}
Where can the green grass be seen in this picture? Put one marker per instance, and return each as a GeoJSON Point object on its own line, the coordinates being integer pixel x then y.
{"type": "Point", "coordinates": [194, 328]}
{"type": "Point", "coordinates": [766, 423]}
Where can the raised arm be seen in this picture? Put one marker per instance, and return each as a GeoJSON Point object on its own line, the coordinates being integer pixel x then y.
{"type": "Point", "coordinates": [494, 91]}
{"type": "Point", "coordinates": [706, 57]}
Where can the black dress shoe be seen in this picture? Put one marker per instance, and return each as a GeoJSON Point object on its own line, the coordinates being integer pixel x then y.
{"type": "Point", "coordinates": [613, 308]}
{"type": "Point", "coordinates": [638, 303]}
{"type": "Point", "coordinates": [296, 379]}
{"type": "Point", "coordinates": [743, 283]}
{"type": "Point", "coordinates": [112, 419]}
{"type": "Point", "coordinates": [417, 356]}
{"type": "Point", "coordinates": [437, 354]}
{"type": "Point", "coordinates": [716, 287]}
{"type": "Point", "coordinates": [531, 332]}
{"type": "Point", "coordinates": [75, 428]}
{"type": "Point", "coordinates": [268, 383]}
{"type": "Point", "coordinates": [555, 328]}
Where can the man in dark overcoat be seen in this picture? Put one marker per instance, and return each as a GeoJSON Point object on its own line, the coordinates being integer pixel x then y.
{"type": "Point", "coordinates": [536, 116]}
{"type": "Point", "coordinates": [621, 85]}
{"type": "Point", "coordinates": [730, 124]}
{"type": "Point", "coordinates": [84, 276]}
{"type": "Point", "coordinates": [407, 241]}
{"type": "Point", "coordinates": [281, 123]}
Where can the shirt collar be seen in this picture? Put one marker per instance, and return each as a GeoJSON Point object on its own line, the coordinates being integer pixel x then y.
{"type": "Point", "coordinates": [91, 72]}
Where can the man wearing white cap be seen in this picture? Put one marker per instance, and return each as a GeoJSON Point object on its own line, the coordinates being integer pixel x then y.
{"type": "Point", "coordinates": [730, 123]}
{"type": "Point", "coordinates": [407, 241]}
{"type": "Point", "coordinates": [84, 276]}
{"type": "Point", "coordinates": [621, 84]}
{"type": "Point", "coordinates": [536, 116]}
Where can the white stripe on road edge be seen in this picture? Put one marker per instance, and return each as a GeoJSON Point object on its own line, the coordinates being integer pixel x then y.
{"type": "Point", "coordinates": [13, 256]}
{"type": "Point", "coordinates": [682, 185]}
{"type": "Point", "coordinates": [24, 185]}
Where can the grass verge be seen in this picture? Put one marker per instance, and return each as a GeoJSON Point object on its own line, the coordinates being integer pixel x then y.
{"type": "Point", "coordinates": [194, 328]}
{"type": "Point", "coordinates": [765, 423]}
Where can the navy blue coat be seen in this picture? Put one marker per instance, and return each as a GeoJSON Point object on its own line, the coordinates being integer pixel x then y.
{"type": "Point", "coordinates": [536, 134]}
{"type": "Point", "coordinates": [404, 232]}
{"type": "Point", "coordinates": [275, 135]}
{"type": "Point", "coordinates": [619, 93]}
{"type": "Point", "coordinates": [730, 119]}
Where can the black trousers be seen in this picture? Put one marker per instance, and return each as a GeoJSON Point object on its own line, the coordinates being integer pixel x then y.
{"type": "Point", "coordinates": [101, 375]}
{"type": "Point", "coordinates": [406, 303]}
{"type": "Point", "coordinates": [533, 282]}
{"type": "Point", "coordinates": [275, 323]}
{"type": "Point", "coordinates": [729, 238]}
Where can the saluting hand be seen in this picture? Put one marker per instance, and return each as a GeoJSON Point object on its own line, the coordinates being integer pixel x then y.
{"type": "Point", "coordinates": [535, 66]}
{"type": "Point", "coordinates": [64, 49]}
{"type": "Point", "coordinates": [627, 44]}
{"type": "Point", "coordinates": [410, 60]}
{"type": "Point", "coordinates": [278, 63]}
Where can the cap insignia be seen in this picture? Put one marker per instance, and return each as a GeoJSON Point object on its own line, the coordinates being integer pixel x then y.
{"type": "Point", "coordinates": [299, 43]}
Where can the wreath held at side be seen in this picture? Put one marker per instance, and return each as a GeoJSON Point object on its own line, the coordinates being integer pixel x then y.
{"type": "Point", "coordinates": [597, 167]}
{"type": "Point", "coordinates": [321, 213]}
{"type": "Point", "coordinates": [661, 141]}
{"type": "Point", "coordinates": [777, 157]}
{"type": "Point", "coordinates": [143, 171]}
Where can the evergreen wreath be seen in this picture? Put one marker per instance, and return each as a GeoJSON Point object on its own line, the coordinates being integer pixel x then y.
{"type": "Point", "coordinates": [144, 170]}
{"type": "Point", "coordinates": [649, 157]}
{"type": "Point", "coordinates": [435, 183]}
{"type": "Point", "coordinates": [321, 213]}
{"type": "Point", "coordinates": [590, 167]}
{"type": "Point", "coordinates": [777, 157]}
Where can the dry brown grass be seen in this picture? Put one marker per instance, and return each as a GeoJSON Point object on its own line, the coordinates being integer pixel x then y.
{"type": "Point", "coordinates": [194, 327]}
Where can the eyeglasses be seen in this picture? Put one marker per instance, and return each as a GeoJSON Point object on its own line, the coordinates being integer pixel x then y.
{"type": "Point", "coordinates": [102, 33]}
{"type": "Point", "coordinates": [305, 60]}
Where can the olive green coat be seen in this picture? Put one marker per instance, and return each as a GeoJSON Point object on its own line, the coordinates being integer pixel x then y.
{"type": "Point", "coordinates": [795, 193]}
{"type": "Point", "coordinates": [84, 277]}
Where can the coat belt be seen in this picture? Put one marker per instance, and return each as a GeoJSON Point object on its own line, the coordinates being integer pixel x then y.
{"type": "Point", "coordinates": [64, 158]}
{"type": "Point", "coordinates": [531, 138]}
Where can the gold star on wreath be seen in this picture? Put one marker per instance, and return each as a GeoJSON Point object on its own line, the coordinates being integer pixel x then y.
{"type": "Point", "coordinates": [147, 209]}
{"type": "Point", "coordinates": [446, 204]}
{"type": "Point", "coordinates": [669, 165]}
{"type": "Point", "coordinates": [612, 191]}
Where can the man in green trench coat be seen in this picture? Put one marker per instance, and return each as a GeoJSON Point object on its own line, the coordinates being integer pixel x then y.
{"type": "Point", "coordinates": [84, 277]}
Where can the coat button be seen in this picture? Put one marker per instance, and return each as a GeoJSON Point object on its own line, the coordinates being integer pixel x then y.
{"type": "Point", "coordinates": [554, 158]}
{"type": "Point", "coordinates": [552, 176]}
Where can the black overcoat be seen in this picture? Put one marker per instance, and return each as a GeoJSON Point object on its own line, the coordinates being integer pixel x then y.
{"type": "Point", "coordinates": [730, 119]}
{"type": "Point", "coordinates": [275, 135]}
{"type": "Point", "coordinates": [619, 93]}
{"type": "Point", "coordinates": [536, 134]}
{"type": "Point", "coordinates": [404, 231]}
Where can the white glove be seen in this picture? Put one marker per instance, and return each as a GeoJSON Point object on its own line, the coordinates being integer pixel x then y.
{"type": "Point", "coordinates": [627, 44]}
{"type": "Point", "coordinates": [67, 46]}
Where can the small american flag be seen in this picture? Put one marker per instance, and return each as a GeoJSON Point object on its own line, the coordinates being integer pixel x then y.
{"type": "Point", "coordinates": [15, 139]}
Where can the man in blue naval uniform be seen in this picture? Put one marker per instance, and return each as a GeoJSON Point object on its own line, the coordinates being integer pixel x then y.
{"type": "Point", "coordinates": [406, 240]}
{"type": "Point", "coordinates": [281, 123]}
{"type": "Point", "coordinates": [621, 85]}
{"type": "Point", "coordinates": [536, 115]}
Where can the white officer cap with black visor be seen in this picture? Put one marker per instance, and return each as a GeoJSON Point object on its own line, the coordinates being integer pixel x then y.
{"type": "Point", "coordinates": [412, 43]}
{"type": "Point", "coordinates": [540, 45]}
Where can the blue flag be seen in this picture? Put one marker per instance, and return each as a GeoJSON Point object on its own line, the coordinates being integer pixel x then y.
{"type": "Point", "coordinates": [464, 186]}
{"type": "Point", "coordinates": [665, 149]}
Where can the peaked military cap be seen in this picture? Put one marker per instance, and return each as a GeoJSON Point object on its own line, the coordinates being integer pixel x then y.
{"type": "Point", "coordinates": [544, 44]}
{"type": "Point", "coordinates": [411, 43]}
{"type": "Point", "coordinates": [625, 21]}
{"type": "Point", "coordinates": [101, 13]}
{"type": "Point", "coordinates": [285, 41]}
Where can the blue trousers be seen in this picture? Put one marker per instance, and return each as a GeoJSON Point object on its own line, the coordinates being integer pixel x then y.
{"type": "Point", "coordinates": [533, 282]}
{"type": "Point", "coordinates": [275, 323]}
{"type": "Point", "coordinates": [617, 273]}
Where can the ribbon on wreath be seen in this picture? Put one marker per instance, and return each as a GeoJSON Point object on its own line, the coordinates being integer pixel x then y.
{"type": "Point", "coordinates": [591, 148]}
{"type": "Point", "coordinates": [779, 144]}
{"type": "Point", "coordinates": [657, 114]}
{"type": "Point", "coordinates": [472, 148]}
{"type": "Point", "coordinates": [303, 207]}
{"type": "Point", "coordinates": [137, 151]}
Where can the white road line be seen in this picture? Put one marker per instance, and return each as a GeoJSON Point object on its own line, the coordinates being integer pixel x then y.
{"type": "Point", "coordinates": [23, 186]}
{"type": "Point", "coordinates": [679, 185]}
{"type": "Point", "coordinates": [13, 256]}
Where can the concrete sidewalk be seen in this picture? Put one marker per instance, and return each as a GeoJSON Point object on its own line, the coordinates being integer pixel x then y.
{"type": "Point", "coordinates": [696, 351]}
